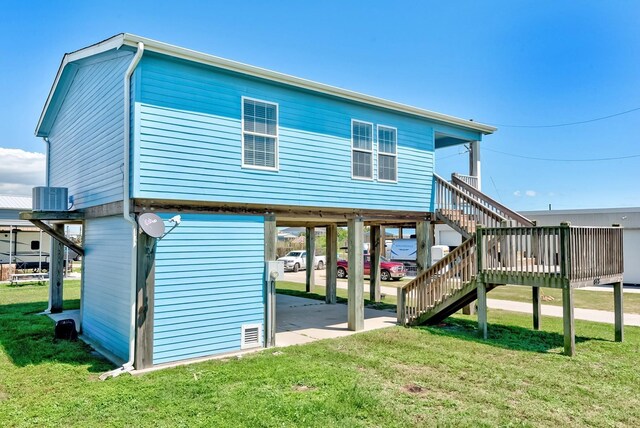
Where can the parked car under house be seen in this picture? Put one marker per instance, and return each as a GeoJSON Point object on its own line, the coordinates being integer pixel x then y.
{"type": "Point", "coordinates": [388, 270]}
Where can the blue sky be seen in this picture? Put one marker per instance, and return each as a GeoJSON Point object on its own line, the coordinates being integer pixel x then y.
{"type": "Point", "coordinates": [498, 62]}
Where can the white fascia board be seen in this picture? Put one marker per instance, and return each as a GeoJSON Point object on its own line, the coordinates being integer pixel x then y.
{"type": "Point", "coordinates": [191, 55]}
{"type": "Point", "coordinates": [114, 42]}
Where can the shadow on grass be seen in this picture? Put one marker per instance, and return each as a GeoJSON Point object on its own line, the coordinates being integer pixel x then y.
{"type": "Point", "coordinates": [27, 338]}
{"type": "Point", "coordinates": [503, 336]}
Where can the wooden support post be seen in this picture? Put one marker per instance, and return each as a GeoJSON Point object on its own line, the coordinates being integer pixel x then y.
{"type": "Point", "coordinates": [56, 272]}
{"type": "Point", "coordinates": [332, 263]}
{"type": "Point", "coordinates": [270, 242]}
{"type": "Point", "coordinates": [374, 271]}
{"type": "Point", "coordinates": [474, 162]}
{"type": "Point", "coordinates": [482, 310]}
{"type": "Point", "coordinates": [568, 321]}
{"type": "Point", "coordinates": [310, 273]}
{"type": "Point", "coordinates": [470, 309]}
{"type": "Point", "coordinates": [536, 307]}
{"type": "Point", "coordinates": [424, 243]}
{"type": "Point", "coordinates": [355, 305]}
{"type": "Point", "coordinates": [145, 285]}
{"type": "Point", "coordinates": [400, 306]}
{"type": "Point", "coordinates": [619, 310]}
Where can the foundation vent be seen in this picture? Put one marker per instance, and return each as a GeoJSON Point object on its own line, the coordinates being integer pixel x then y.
{"type": "Point", "coordinates": [251, 336]}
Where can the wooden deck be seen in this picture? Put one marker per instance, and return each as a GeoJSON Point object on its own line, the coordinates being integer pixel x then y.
{"type": "Point", "coordinates": [503, 247]}
{"type": "Point", "coordinates": [559, 256]}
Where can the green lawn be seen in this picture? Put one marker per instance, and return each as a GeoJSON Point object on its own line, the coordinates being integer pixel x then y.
{"type": "Point", "coordinates": [319, 293]}
{"type": "Point", "coordinates": [395, 377]}
{"type": "Point", "coordinates": [585, 299]}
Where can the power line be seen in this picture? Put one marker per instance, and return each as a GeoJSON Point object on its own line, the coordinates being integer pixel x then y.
{"type": "Point", "coordinates": [562, 160]}
{"type": "Point", "coordinates": [558, 125]}
{"type": "Point", "coordinates": [496, 188]}
{"type": "Point", "coordinates": [450, 156]}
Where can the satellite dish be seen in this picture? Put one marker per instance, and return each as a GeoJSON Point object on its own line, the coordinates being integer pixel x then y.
{"type": "Point", "coordinates": [151, 224]}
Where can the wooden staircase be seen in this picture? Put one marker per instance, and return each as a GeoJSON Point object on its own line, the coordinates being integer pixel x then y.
{"type": "Point", "coordinates": [450, 284]}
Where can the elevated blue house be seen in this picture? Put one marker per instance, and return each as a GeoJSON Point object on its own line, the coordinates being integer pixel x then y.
{"type": "Point", "coordinates": [133, 125]}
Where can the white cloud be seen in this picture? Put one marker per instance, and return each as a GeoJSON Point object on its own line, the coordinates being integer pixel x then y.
{"type": "Point", "coordinates": [529, 193]}
{"type": "Point", "coordinates": [20, 171]}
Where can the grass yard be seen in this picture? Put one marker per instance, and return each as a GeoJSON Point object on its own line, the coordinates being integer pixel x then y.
{"type": "Point", "coordinates": [319, 293]}
{"type": "Point", "coordinates": [585, 299]}
{"type": "Point", "coordinates": [430, 376]}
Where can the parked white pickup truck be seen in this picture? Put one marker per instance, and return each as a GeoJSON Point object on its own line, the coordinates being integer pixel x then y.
{"type": "Point", "coordinates": [297, 260]}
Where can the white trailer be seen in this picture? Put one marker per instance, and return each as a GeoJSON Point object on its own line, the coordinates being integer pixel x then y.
{"type": "Point", "coordinates": [24, 246]}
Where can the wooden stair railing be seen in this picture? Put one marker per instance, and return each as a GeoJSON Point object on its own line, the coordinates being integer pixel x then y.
{"type": "Point", "coordinates": [464, 208]}
{"type": "Point", "coordinates": [461, 210]}
{"type": "Point", "coordinates": [438, 283]}
{"type": "Point", "coordinates": [489, 203]}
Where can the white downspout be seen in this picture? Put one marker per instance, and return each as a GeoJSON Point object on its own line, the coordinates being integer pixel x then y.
{"type": "Point", "coordinates": [128, 366]}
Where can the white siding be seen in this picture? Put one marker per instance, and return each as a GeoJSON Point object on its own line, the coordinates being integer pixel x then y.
{"type": "Point", "coordinates": [86, 140]}
{"type": "Point", "coordinates": [107, 282]}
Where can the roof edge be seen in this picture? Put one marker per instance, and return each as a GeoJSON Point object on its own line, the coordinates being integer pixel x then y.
{"type": "Point", "coordinates": [128, 39]}
{"type": "Point", "coordinates": [191, 55]}
{"type": "Point", "coordinates": [114, 42]}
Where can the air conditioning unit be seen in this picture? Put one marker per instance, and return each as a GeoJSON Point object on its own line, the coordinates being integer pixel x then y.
{"type": "Point", "coordinates": [50, 199]}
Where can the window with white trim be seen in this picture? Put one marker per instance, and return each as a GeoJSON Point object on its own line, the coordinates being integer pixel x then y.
{"type": "Point", "coordinates": [259, 134]}
{"type": "Point", "coordinates": [361, 149]}
{"type": "Point", "coordinates": [387, 153]}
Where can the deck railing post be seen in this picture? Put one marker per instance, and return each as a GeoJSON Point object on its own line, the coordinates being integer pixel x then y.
{"type": "Point", "coordinates": [400, 306]}
{"type": "Point", "coordinates": [536, 307]}
{"type": "Point", "coordinates": [482, 310]}
{"type": "Point", "coordinates": [568, 321]}
{"type": "Point", "coordinates": [479, 250]}
{"type": "Point", "coordinates": [565, 251]}
{"type": "Point", "coordinates": [619, 312]}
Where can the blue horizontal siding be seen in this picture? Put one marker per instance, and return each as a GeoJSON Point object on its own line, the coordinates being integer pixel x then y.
{"type": "Point", "coordinates": [208, 283]}
{"type": "Point", "coordinates": [188, 144]}
{"type": "Point", "coordinates": [105, 306]}
{"type": "Point", "coordinates": [86, 138]}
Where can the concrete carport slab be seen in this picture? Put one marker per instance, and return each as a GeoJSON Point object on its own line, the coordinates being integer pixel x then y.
{"type": "Point", "coordinates": [301, 320]}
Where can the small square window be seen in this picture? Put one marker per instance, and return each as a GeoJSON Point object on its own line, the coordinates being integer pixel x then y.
{"type": "Point", "coordinates": [35, 245]}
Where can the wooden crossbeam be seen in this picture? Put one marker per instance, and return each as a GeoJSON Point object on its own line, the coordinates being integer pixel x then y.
{"type": "Point", "coordinates": [59, 236]}
{"type": "Point", "coordinates": [52, 215]}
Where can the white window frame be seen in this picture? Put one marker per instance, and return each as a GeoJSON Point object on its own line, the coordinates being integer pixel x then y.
{"type": "Point", "coordinates": [373, 144]}
{"type": "Point", "coordinates": [395, 155]}
{"type": "Point", "coordinates": [276, 136]}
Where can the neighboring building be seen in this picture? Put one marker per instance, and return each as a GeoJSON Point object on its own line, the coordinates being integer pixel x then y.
{"type": "Point", "coordinates": [231, 148]}
{"type": "Point", "coordinates": [21, 243]}
{"type": "Point", "coordinates": [628, 218]}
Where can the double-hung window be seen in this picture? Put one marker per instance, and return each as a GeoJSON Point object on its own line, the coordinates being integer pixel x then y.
{"type": "Point", "coordinates": [361, 150]}
{"type": "Point", "coordinates": [259, 134]}
{"type": "Point", "coordinates": [387, 153]}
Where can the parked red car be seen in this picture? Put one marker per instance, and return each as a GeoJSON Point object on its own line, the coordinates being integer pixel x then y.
{"type": "Point", "coordinates": [388, 270]}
